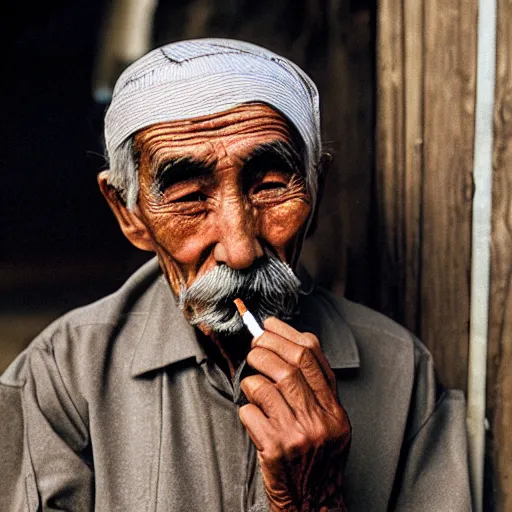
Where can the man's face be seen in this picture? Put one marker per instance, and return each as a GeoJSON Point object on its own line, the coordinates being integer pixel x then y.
{"type": "Point", "coordinates": [217, 190]}
{"type": "Point", "coordinates": [223, 203]}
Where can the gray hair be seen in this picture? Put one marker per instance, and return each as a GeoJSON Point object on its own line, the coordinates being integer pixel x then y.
{"type": "Point", "coordinates": [123, 172]}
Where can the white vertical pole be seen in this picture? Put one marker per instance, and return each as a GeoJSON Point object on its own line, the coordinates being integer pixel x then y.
{"type": "Point", "coordinates": [481, 236]}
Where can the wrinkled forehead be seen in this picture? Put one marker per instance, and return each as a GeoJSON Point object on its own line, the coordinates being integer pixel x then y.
{"type": "Point", "coordinates": [197, 78]}
{"type": "Point", "coordinates": [241, 130]}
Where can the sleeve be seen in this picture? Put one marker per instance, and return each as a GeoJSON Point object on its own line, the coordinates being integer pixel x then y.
{"type": "Point", "coordinates": [434, 471]}
{"type": "Point", "coordinates": [15, 485]}
{"type": "Point", "coordinates": [56, 470]}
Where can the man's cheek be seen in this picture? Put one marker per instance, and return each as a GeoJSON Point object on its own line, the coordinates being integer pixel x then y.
{"type": "Point", "coordinates": [181, 236]}
{"type": "Point", "coordinates": [179, 243]}
{"type": "Point", "coordinates": [281, 224]}
{"type": "Point", "coordinates": [173, 273]}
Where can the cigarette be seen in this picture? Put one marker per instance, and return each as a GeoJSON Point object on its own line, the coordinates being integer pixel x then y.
{"type": "Point", "coordinates": [248, 319]}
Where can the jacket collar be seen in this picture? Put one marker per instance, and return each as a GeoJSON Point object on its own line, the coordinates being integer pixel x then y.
{"type": "Point", "coordinates": [321, 315]}
{"type": "Point", "coordinates": [168, 338]}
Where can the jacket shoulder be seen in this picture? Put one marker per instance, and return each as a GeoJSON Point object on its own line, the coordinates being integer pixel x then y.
{"type": "Point", "coordinates": [84, 333]}
{"type": "Point", "coordinates": [374, 330]}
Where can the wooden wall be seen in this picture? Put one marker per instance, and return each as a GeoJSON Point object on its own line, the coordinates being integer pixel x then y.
{"type": "Point", "coordinates": [426, 56]}
{"type": "Point", "coordinates": [500, 310]}
{"type": "Point", "coordinates": [426, 78]}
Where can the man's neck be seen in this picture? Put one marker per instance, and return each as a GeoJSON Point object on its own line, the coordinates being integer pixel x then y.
{"type": "Point", "coordinates": [227, 351]}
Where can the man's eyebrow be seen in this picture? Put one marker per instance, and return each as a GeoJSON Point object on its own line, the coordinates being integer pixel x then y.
{"type": "Point", "coordinates": [180, 169]}
{"type": "Point", "coordinates": [278, 153]}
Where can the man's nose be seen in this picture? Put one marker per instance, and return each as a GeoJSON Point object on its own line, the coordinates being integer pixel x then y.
{"type": "Point", "coordinates": [238, 245]}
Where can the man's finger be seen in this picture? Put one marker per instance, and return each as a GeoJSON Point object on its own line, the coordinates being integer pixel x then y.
{"type": "Point", "coordinates": [270, 364]}
{"type": "Point", "coordinates": [292, 385]}
{"type": "Point", "coordinates": [305, 339]}
{"type": "Point", "coordinates": [257, 426]}
{"type": "Point", "coordinates": [278, 358]}
{"type": "Point", "coordinates": [262, 393]}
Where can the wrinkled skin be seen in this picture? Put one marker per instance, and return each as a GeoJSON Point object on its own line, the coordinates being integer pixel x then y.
{"type": "Point", "coordinates": [225, 214]}
{"type": "Point", "coordinates": [295, 420]}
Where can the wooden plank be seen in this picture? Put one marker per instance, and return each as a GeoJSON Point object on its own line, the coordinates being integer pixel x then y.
{"type": "Point", "coordinates": [413, 179]}
{"type": "Point", "coordinates": [399, 157]}
{"type": "Point", "coordinates": [450, 63]}
{"type": "Point", "coordinates": [500, 308]}
{"type": "Point", "coordinates": [390, 153]}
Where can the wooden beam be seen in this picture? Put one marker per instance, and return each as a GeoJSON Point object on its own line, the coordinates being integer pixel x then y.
{"type": "Point", "coordinates": [450, 71]}
{"type": "Point", "coordinates": [426, 69]}
{"type": "Point", "coordinates": [413, 178]}
{"type": "Point", "coordinates": [500, 309]}
{"type": "Point", "coordinates": [399, 173]}
{"type": "Point", "coordinates": [390, 152]}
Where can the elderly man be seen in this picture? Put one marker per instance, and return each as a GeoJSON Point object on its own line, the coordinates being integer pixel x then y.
{"type": "Point", "coordinates": [158, 397]}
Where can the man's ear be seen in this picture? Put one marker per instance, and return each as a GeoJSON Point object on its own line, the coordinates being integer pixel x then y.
{"type": "Point", "coordinates": [131, 225]}
{"type": "Point", "coordinates": [323, 167]}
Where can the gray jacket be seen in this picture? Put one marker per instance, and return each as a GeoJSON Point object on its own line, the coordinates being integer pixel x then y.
{"type": "Point", "coordinates": [116, 407]}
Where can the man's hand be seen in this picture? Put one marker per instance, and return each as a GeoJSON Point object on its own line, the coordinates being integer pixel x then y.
{"type": "Point", "coordinates": [295, 420]}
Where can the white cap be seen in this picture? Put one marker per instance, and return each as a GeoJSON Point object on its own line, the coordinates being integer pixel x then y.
{"type": "Point", "coordinates": [200, 77]}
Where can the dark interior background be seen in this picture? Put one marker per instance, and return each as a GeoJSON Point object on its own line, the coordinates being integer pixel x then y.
{"type": "Point", "coordinates": [59, 244]}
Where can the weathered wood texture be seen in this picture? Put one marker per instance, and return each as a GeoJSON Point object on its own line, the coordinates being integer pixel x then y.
{"type": "Point", "coordinates": [425, 119]}
{"type": "Point", "coordinates": [500, 309]}
{"type": "Point", "coordinates": [450, 84]}
{"type": "Point", "coordinates": [399, 156]}
{"type": "Point", "coordinates": [333, 41]}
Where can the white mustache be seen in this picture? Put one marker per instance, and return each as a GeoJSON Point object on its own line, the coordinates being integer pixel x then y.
{"type": "Point", "coordinates": [269, 287]}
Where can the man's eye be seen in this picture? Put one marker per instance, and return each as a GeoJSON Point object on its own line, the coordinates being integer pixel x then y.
{"type": "Point", "coordinates": [269, 185]}
{"type": "Point", "coordinates": [192, 198]}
